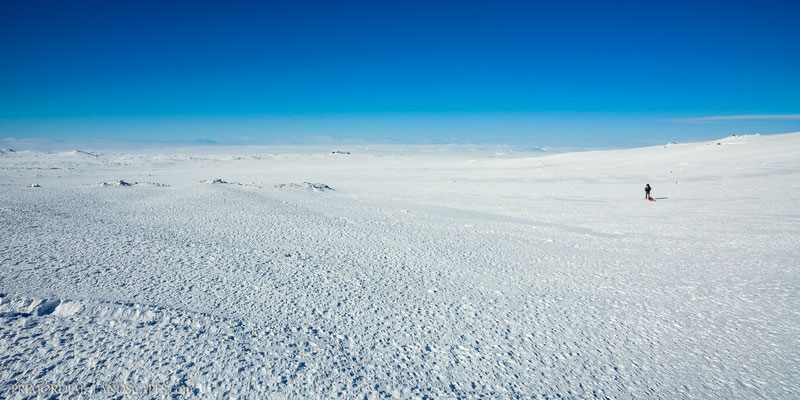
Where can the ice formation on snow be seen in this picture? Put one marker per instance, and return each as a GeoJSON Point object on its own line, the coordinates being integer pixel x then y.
{"type": "Point", "coordinates": [321, 187]}
{"type": "Point", "coordinates": [114, 183]}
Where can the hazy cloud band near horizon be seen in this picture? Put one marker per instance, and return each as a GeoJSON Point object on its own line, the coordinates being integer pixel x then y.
{"type": "Point", "coordinates": [721, 118]}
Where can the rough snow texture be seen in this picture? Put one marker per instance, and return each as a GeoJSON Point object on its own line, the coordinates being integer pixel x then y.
{"type": "Point", "coordinates": [422, 274]}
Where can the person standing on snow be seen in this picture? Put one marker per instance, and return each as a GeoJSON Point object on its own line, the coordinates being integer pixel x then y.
{"type": "Point", "coordinates": [647, 192]}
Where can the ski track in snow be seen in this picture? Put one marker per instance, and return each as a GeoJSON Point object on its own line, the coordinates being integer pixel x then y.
{"type": "Point", "coordinates": [420, 275]}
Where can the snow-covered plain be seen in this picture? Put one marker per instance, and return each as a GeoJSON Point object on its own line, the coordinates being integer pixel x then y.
{"type": "Point", "coordinates": [425, 273]}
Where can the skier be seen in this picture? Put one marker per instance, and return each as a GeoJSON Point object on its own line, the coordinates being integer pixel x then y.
{"type": "Point", "coordinates": [647, 192]}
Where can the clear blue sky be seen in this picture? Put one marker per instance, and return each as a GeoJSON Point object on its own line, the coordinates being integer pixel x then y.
{"type": "Point", "coordinates": [560, 73]}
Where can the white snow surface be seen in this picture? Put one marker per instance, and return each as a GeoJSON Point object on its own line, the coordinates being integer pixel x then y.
{"type": "Point", "coordinates": [423, 274]}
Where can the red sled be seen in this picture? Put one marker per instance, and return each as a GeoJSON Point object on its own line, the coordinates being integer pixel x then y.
{"type": "Point", "coordinates": [651, 199]}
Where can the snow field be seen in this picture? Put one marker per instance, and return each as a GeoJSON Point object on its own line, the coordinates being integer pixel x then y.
{"type": "Point", "coordinates": [419, 274]}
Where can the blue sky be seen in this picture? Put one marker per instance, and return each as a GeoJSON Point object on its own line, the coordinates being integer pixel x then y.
{"type": "Point", "coordinates": [600, 74]}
